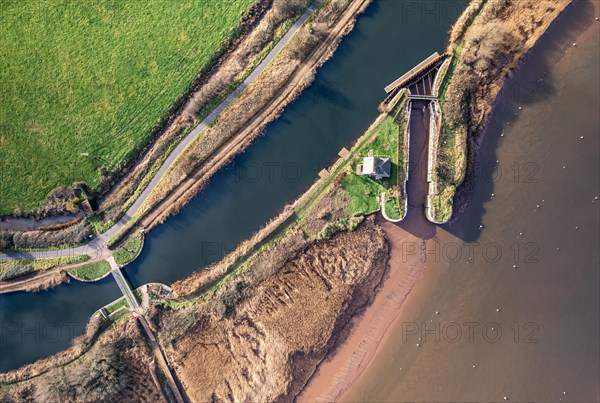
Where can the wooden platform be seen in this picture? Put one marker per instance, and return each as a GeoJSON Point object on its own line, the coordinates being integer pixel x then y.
{"type": "Point", "coordinates": [324, 173]}
{"type": "Point", "coordinates": [344, 153]}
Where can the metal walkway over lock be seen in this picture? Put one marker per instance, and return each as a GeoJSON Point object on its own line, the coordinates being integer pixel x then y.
{"type": "Point", "coordinates": [419, 80]}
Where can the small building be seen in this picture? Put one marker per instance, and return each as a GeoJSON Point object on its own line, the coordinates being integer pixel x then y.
{"type": "Point", "coordinates": [377, 168]}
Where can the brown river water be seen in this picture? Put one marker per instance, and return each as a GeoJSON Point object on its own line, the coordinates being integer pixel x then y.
{"type": "Point", "coordinates": [504, 303]}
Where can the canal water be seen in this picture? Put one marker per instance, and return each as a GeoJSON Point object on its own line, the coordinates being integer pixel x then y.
{"type": "Point", "coordinates": [389, 39]}
{"type": "Point", "coordinates": [517, 299]}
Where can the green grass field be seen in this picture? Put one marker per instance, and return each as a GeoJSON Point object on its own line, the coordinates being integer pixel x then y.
{"type": "Point", "coordinates": [94, 77]}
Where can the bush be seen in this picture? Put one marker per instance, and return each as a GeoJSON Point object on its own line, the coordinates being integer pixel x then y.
{"type": "Point", "coordinates": [56, 386]}
{"type": "Point", "coordinates": [106, 375]}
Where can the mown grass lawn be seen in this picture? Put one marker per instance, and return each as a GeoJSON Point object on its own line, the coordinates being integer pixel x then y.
{"type": "Point", "coordinates": [94, 77]}
{"type": "Point", "coordinates": [91, 271]}
{"type": "Point", "coordinates": [386, 142]}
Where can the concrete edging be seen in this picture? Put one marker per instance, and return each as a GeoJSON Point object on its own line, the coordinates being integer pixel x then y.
{"type": "Point", "coordinates": [435, 125]}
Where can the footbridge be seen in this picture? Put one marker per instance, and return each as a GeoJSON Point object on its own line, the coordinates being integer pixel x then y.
{"type": "Point", "coordinates": [124, 285]}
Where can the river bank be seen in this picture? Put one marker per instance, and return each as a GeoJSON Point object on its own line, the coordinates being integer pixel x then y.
{"type": "Point", "coordinates": [337, 372]}
{"type": "Point", "coordinates": [498, 35]}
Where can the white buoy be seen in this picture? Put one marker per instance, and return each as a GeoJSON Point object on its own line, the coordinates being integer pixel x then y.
{"type": "Point", "coordinates": [474, 366]}
{"type": "Point", "coordinates": [564, 166]}
{"type": "Point", "coordinates": [418, 345]}
{"type": "Point", "coordinates": [574, 44]}
{"type": "Point", "coordinates": [576, 228]}
{"type": "Point", "coordinates": [497, 309]}
{"type": "Point", "coordinates": [520, 108]}
{"type": "Point", "coordinates": [581, 137]}
{"type": "Point", "coordinates": [514, 266]}
{"type": "Point", "coordinates": [437, 312]}
{"type": "Point", "coordinates": [557, 249]}
{"type": "Point", "coordinates": [520, 234]}
{"type": "Point", "coordinates": [493, 195]}
{"type": "Point", "coordinates": [564, 393]}
{"type": "Point", "coordinates": [537, 205]}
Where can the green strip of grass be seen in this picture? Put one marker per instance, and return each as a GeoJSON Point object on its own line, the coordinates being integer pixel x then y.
{"type": "Point", "coordinates": [14, 268]}
{"type": "Point", "coordinates": [115, 306]}
{"type": "Point", "coordinates": [129, 250]}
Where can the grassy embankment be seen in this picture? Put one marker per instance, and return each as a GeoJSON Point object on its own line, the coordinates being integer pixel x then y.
{"type": "Point", "coordinates": [388, 141]}
{"type": "Point", "coordinates": [91, 271]}
{"type": "Point", "coordinates": [10, 269]}
{"type": "Point", "coordinates": [85, 88]}
{"type": "Point", "coordinates": [127, 252]}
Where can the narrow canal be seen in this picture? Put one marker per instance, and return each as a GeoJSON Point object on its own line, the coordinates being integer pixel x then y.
{"type": "Point", "coordinates": [389, 39]}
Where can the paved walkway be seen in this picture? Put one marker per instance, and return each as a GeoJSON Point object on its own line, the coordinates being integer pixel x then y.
{"type": "Point", "coordinates": [97, 246]}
